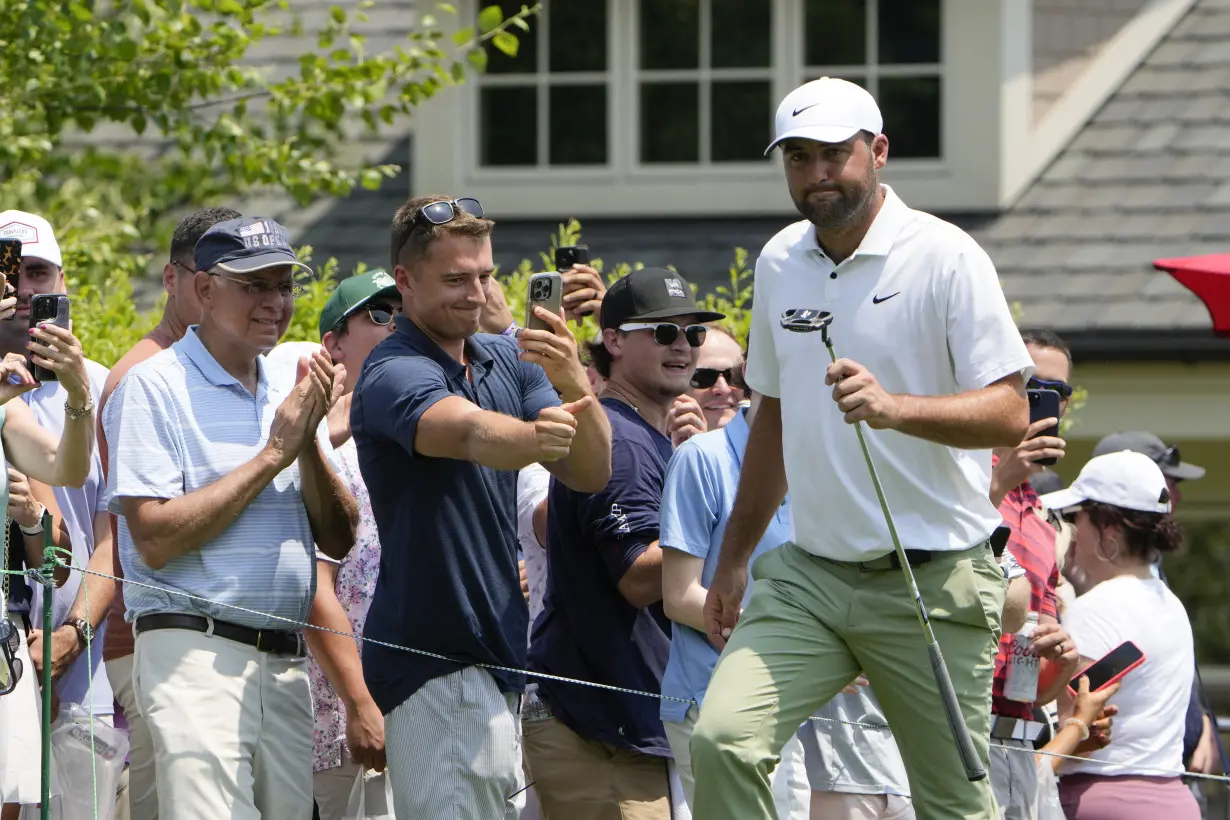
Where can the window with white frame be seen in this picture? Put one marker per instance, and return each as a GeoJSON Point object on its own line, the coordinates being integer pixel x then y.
{"type": "Point", "coordinates": [696, 81]}
{"type": "Point", "coordinates": [548, 105]}
{"type": "Point", "coordinates": [891, 48]}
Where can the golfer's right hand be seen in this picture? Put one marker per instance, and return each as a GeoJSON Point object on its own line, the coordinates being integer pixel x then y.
{"type": "Point", "coordinates": [724, 603]}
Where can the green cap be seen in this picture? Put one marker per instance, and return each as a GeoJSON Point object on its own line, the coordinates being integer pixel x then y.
{"type": "Point", "coordinates": [352, 294]}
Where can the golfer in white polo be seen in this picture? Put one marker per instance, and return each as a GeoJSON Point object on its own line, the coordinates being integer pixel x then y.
{"type": "Point", "coordinates": [935, 367]}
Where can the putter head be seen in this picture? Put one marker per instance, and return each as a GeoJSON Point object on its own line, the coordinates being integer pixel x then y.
{"type": "Point", "coordinates": [806, 320]}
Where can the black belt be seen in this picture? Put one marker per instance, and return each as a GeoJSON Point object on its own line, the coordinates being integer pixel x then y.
{"type": "Point", "coordinates": [916, 558]}
{"type": "Point", "coordinates": [274, 641]}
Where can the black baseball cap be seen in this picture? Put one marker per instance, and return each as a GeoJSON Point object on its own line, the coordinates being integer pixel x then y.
{"type": "Point", "coordinates": [1139, 441]}
{"type": "Point", "coordinates": [648, 294]}
{"type": "Point", "coordinates": [246, 245]}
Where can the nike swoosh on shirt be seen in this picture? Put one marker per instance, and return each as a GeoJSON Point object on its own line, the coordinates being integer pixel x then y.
{"type": "Point", "coordinates": [798, 111]}
{"type": "Point", "coordinates": [875, 300]}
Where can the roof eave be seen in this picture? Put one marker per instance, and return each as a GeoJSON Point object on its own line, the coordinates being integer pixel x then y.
{"type": "Point", "coordinates": [1187, 346]}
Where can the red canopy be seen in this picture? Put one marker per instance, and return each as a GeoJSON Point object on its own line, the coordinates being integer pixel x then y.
{"type": "Point", "coordinates": [1209, 278]}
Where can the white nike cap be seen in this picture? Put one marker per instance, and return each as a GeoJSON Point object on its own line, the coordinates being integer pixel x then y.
{"type": "Point", "coordinates": [826, 110]}
{"type": "Point", "coordinates": [37, 238]}
{"type": "Point", "coordinates": [1124, 479]}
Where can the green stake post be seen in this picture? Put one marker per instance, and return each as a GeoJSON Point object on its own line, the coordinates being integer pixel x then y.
{"type": "Point", "coordinates": [49, 584]}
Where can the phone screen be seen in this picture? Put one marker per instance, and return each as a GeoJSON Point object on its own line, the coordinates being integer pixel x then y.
{"type": "Point", "coordinates": [1112, 665]}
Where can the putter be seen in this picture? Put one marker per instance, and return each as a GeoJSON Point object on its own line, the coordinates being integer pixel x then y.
{"type": "Point", "coordinates": [809, 321]}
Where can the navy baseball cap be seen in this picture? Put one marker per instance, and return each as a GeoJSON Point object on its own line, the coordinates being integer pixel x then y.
{"type": "Point", "coordinates": [246, 245]}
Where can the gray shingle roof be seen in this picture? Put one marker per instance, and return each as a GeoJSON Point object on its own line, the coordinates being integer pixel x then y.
{"type": "Point", "coordinates": [1148, 177]}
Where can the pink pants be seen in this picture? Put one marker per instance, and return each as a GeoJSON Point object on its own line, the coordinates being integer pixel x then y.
{"type": "Point", "coordinates": [1129, 797]}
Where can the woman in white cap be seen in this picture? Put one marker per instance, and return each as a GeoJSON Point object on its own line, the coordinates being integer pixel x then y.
{"type": "Point", "coordinates": [1120, 507]}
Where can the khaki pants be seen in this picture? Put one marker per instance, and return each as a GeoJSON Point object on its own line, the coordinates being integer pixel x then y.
{"type": "Point", "coordinates": [141, 796]}
{"type": "Point", "coordinates": [579, 779]}
{"type": "Point", "coordinates": [811, 625]}
{"type": "Point", "coordinates": [331, 788]}
{"type": "Point", "coordinates": [844, 806]}
{"type": "Point", "coordinates": [231, 727]}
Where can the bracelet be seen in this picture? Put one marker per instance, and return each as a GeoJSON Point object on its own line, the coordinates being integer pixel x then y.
{"type": "Point", "coordinates": [511, 330]}
{"type": "Point", "coordinates": [74, 413]}
{"type": "Point", "coordinates": [37, 529]}
{"type": "Point", "coordinates": [1084, 727]}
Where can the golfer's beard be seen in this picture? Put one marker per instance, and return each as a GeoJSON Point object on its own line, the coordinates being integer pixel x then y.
{"type": "Point", "coordinates": [834, 212]}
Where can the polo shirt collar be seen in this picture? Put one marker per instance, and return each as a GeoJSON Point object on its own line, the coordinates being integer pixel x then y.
{"type": "Point", "coordinates": [196, 352]}
{"type": "Point", "coordinates": [879, 239]}
{"type": "Point", "coordinates": [476, 354]}
{"type": "Point", "coordinates": [737, 432]}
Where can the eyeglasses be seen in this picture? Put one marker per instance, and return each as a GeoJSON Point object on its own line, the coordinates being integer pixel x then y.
{"type": "Point", "coordinates": [705, 377]}
{"type": "Point", "coordinates": [382, 314]}
{"type": "Point", "coordinates": [445, 211]}
{"type": "Point", "coordinates": [665, 333]}
{"type": "Point", "coordinates": [260, 288]}
{"type": "Point", "coordinates": [175, 263]}
{"type": "Point", "coordinates": [1062, 388]}
{"type": "Point", "coordinates": [9, 642]}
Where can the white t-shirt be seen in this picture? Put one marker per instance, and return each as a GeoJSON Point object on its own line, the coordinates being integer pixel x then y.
{"type": "Point", "coordinates": [1153, 697]}
{"type": "Point", "coordinates": [920, 306]}
{"type": "Point", "coordinates": [533, 482]}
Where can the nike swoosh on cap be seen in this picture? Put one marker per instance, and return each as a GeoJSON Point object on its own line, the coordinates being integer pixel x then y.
{"type": "Point", "coordinates": [798, 111]}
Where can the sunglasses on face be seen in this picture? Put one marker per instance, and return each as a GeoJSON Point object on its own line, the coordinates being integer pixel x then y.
{"type": "Point", "coordinates": [666, 333]}
{"type": "Point", "coordinates": [9, 641]}
{"type": "Point", "coordinates": [705, 377]}
{"type": "Point", "coordinates": [382, 314]}
{"type": "Point", "coordinates": [1062, 388]}
{"type": "Point", "coordinates": [445, 211]}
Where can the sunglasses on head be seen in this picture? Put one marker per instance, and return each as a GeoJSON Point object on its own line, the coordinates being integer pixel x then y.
{"type": "Point", "coordinates": [1062, 388]}
{"type": "Point", "coordinates": [705, 377]}
{"type": "Point", "coordinates": [445, 211]}
{"type": "Point", "coordinates": [666, 333]}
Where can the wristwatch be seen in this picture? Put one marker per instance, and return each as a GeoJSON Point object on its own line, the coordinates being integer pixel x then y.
{"type": "Point", "coordinates": [85, 632]}
{"type": "Point", "coordinates": [74, 413]}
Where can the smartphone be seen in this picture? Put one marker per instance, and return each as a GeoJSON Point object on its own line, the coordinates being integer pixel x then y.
{"type": "Point", "coordinates": [545, 289]}
{"type": "Point", "coordinates": [1112, 667]}
{"type": "Point", "coordinates": [10, 266]}
{"type": "Point", "coordinates": [570, 255]}
{"type": "Point", "coordinates": [53, 308]}
{"type": "Point", "coordinates": [1044, 404]}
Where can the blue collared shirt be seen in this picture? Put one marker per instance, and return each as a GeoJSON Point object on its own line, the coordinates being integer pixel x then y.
{"type": "Point", "coordinates": [179, 422]}
{"type": "Point", "coordinates": [697, 498]}
{"type": "Point", "coordinates": [448, 579]}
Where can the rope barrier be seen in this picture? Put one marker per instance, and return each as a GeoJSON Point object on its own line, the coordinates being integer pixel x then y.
{"type": "Point", "coordinates": [880, 727]}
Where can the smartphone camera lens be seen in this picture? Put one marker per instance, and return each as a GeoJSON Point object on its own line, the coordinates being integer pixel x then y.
{"type": "Point", "coordinates": [541, 290]}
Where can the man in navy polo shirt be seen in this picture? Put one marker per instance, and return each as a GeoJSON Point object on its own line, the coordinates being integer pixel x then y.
{"type": "Point", "coordinates": [443, 418]}
{"type": "Point", "coordinates": [602, 754]}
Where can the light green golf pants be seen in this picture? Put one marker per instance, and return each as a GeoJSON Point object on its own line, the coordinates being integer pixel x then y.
{"type": "Point", "coordinates": [810, 627]}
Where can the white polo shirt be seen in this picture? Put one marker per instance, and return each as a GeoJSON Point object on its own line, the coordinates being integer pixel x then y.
{"type": "Point", "coordinates": [920, 306]}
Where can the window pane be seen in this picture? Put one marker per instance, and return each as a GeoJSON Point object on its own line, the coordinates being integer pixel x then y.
{"type": "Point", "coordinates": [578, 35]}
{"type": "Point", "coordinates": [509, 126]}
{"type": "Point", "coordinates": [526, 61]}
{"type": "Point", "coordinates": [670, 33]}
{"type": "Point", "coordinates": [578, 125]}
{"type": "Point", "coordinates": [742, 31]}
{"type": "Point", "coordinates": [836, 32]}
{"type": "Point", "coordinates": [911, 107]}
{"type": "Point", "coordinates": [909, 31]}
{"type": "Point", "coordinates": [741, 121]}
{"type": "Point", "coordinates": [670, 122]}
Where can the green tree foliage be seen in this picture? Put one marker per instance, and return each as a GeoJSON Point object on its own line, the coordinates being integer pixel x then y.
{"type": "Point", "coordinates": [82, 82]}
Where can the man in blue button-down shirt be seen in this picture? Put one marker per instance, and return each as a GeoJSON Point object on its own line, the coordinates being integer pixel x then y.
{"type": "Point", "coordinates": [221, 491]}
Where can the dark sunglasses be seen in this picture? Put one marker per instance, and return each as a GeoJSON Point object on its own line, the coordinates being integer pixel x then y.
{"type": "Point", "coordinates": [1171, 457]}
{"type": "Point", "coordinates": [666, 333]}
{"type": "Point", "coordinates": [381, 314]}
{"type": "Point", "coordinates": [1069, 515]}
{"type": "Point", "coordinates": [9, 642]}
{"type": "Point", "coordinates": [445, 211]}
{"type": "Point", "coordinates": [1062, 388]}
{"type": "Point", "coordinates": [705, 377]}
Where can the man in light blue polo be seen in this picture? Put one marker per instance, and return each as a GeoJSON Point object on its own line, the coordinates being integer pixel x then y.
{"type": "Point", "coordinates": [825, 770]}
{"type": "Point", "coordinates": [221, 490]}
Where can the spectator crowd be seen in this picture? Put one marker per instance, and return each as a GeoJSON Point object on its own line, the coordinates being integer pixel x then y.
{"type": "Point", "coordinates": [645, 576]}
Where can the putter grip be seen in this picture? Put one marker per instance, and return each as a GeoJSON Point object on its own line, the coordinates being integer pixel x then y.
{"type": "Point", "coordinates": [960, 733]}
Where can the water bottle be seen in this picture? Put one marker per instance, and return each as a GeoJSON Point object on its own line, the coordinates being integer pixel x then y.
{"type": "Point", "coordinates": [1022, 678]}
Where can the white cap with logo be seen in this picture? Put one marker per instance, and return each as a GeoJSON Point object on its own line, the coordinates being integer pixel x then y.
{"type": "Point", "coordinates": [1124, 479]}
{"type": "Point", "coordinates": [37, 238]}
{"type": "Point", "coordinates": [826, 110]}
